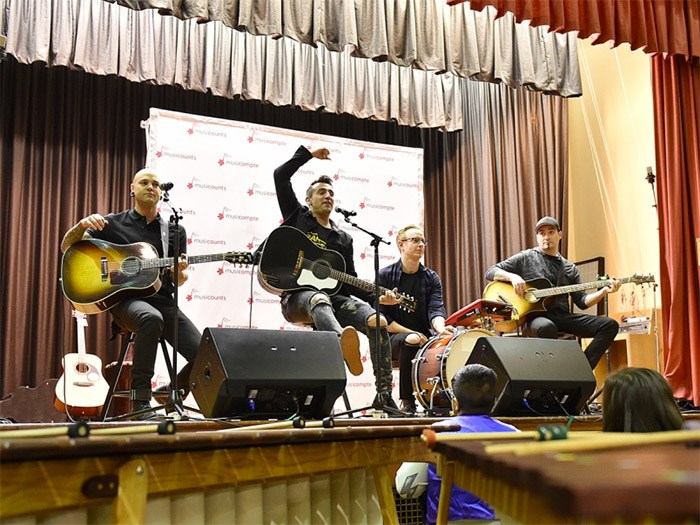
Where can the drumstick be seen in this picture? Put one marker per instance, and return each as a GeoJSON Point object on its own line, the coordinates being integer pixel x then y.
{"type": "Point", "coordinates": [430, 437]}
{"type": "Point", "coordinates": [162, 428]}
{"type": "Point", "coordinates": [596, 441]}
{"type": "Point", "coordinates": [79, 429]}
{"type": "Point", "coordinates": [297, 422]}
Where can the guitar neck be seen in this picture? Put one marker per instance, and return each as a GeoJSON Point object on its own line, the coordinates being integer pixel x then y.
{"type": "Point", "coordinates": [167, 262]}
{"type": "Point", "coordinates": [356, 281]}
{"type": "Point", "coordinates": [559, 290]}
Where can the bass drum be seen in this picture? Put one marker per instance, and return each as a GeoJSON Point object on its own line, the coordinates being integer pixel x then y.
{"type": "Point", "coordinates": [437, 362]}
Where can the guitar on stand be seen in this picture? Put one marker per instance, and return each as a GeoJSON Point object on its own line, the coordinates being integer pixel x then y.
{"type": "Point", "coordinates": [81, 390]}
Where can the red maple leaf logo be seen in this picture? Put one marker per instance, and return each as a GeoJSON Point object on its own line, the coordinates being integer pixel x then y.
{"type": "Point", "coordinates": [250, 245]}
{"type": "Point", "coordinates": [220, 216]}
{"type": "Point", "coordinates": [189, 297]}
{"type": "Point", "coordinates": [362, 155]}
{"type": "Point", "coordinates": [190, 185]}
{"type": "Point", "coordinates": [336, 176]}
{"type": "Point", "coordinates": [191, 130]}
{"type": "Point", "coordinates": [390, 183]}
{"type": "Point", "coordinates": [250, 300]}
{"type": "Point", "coordinates": [159, 153]}
{"type": "Point", "coordinates": [362, 204]}
{"type": "Point", "coordinates": [250, 138]}
{"type": "Point", "coordinates": [363, 255]}
{"type": "Point", "coordinates": [220, 270]}
{"type": "Point", "coordinates": [221, 162]}
{"type": "Point", "coordinates": [251, 192]}
{"type": "Point", "coordinates": [189, 240]}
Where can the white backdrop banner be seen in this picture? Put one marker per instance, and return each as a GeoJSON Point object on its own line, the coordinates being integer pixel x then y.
{"type": "Point", "coordinates": [223, 185]}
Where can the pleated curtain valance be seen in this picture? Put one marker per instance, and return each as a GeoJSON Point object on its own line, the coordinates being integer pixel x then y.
{"type": "Point", "coordinates": [407, 61]}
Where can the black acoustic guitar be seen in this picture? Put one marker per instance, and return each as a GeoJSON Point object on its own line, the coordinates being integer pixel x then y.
{"type": "Point", "coordinates": [291, 262]}
{"type": "Point", "coordinates": [96, 274]}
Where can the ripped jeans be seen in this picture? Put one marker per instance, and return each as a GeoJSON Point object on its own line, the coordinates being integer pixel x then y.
{"type": "Point", "coordinates": [331, 314]}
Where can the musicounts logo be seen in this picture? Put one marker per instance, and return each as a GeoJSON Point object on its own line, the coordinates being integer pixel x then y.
{"type": "Point", "coordinates": [228, 214]}
{"type": "Point", "coordinates": [264, 140]}
{"type": "Point", "coordinates": [195, 130]}
{"type": "Point", "coordinates": [195, 184]}
{"type": "Point", "coordinates": [165, 152]}
{"type": "Point", "coordinates": [259, 298]}
{"type": "Point", "coordinates": [196, 295]}
{"type": "Point", "coordinates": [228, 323]}
{"type": "Point", "coordinates": [256, 190]}
{"type": "Point", "coordinates": [196, 239]}
{"type": "Point", "coordinates": [374, 156]}
{"type": "Point", "coordinates": [232, 269]}
{"type": "Point", "coordinates": [368, 253]}
{"type": "Point", "coordinates": [367, 203]}
{"type": "Point", "coordinates": [340, 174]}
{"type": "Point", "coordinates": [402, 184]}
{"type": "Point", "coordinates": [228, 160]}
{"type": "Point", "coordinates": [254, 243]}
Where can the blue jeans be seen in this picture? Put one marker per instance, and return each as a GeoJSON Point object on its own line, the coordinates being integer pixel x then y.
{"type": "Point", "coordinates": [148, 319]}
{"type": "Point", "coordinates": [331, 314]}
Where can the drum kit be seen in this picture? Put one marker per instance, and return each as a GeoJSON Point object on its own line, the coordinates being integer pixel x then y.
{"type": "Point", "coordinates": [439, 359]}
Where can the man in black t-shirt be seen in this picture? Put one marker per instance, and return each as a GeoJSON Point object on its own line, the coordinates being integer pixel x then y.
{"type": "Point", "coordinates": [349, 309]}
{"type": "Point", "coordinates": [545, 261]}
{"type": "Point", "coordinates": [148, 318]}
{"type": "Point", "coordinates": [411, 330]}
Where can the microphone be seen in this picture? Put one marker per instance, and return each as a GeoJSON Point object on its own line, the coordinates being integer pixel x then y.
{"type": "Point", "coordinates": [347, 213]}
{"type": "Point", "coordinates": [167, 186]}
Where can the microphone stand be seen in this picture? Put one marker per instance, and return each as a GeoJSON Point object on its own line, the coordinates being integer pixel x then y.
{"type": "Point", "coordinates": [174, 403]}
{"type": "Point", "coordinates": [378, 403]}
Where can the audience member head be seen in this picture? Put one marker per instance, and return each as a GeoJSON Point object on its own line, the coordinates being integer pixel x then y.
{"type": "Point", "coordinates": [474, 388]}
{"type": "Point", "coordinates": [639, 400]}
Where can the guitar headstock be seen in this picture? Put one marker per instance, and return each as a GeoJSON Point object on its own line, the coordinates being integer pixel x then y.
{"type": "Point", "coordinates": [240, 258]}
{"type": "Point", "coordinates": [408, 303]}
{"type": "Point", "coordinates": [642, 278]}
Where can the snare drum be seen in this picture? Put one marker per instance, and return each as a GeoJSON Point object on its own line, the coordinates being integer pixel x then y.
{"type": "Point", "coordinates": [437, 362]}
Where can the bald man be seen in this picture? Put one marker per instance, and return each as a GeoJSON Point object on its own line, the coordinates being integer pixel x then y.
{"type": "Point", "coordinates": [148, 318]}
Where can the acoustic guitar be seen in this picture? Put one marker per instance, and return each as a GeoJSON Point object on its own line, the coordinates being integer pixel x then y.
{"type": "Point", "coordinates": [290, 262]}
{"type": "Point", "coordinates": [81, 390]}
{"type": "Point", "coordinates": [540, 291]}
{"type": "Point", "coordinates": [96, 274]}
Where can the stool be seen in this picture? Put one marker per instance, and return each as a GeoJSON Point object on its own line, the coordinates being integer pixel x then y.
{"type": "Point", "coordinates": [127, 338]}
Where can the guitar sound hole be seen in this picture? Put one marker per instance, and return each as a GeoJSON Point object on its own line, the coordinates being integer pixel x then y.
{"type": "Point", "coordinates": [321, 269]}
{"type": "Point", "coordinates": [131, 265]}
{"type": "Point", "coordinates": [82, 368]}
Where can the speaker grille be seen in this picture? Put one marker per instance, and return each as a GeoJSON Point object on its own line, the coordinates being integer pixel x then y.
{"type": "Point", "coordinates": [267, 373]}
{"type": "Point", "coordinates": [536, 377]}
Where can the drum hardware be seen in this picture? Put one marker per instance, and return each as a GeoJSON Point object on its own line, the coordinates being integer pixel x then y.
{"type": "Point", "coordinates": [481, 313]}
{"type": "Point", "coordinates": [432, 378]}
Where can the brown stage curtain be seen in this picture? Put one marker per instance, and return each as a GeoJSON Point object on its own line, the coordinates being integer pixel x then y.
{"type": "Point", "coordinates": [666, 26]}
{"type": "Point", "coordinates": [676, 92]}
{"type": "Point", "coordinates": [70, 143]}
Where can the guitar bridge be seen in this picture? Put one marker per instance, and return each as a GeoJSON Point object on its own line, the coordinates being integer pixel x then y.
{"type": "Point", "coordinates": [298, 264]}
{"type": "Point", "coordinates": [104, 269]}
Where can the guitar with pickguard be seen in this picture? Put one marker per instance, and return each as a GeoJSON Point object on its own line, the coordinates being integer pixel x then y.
{"type": "Point", "coordinates": [96, 274]}
{"type": "Point", "coordinates": [290, 262]}
{"type": "Point", "coordinates": [81, 390]}
{"type": "Point", "coordinates": [540, 291]}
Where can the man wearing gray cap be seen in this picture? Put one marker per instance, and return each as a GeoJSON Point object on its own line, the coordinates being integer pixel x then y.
{"type": "Point", "coordinates": [545, 261]}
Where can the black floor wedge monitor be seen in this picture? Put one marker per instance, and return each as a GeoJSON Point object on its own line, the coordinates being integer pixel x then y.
{"type": "Point", "coordinates": [264, 374]}
{"type": "Point", "coordinates": [536, 377]}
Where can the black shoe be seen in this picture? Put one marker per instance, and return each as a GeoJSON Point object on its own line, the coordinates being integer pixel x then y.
{"type": "Point", "coordinates": [162, 392]}
{"type": "Point", "coordinates": [138, 406]}
{"type": "Point", "coordinates": [408, 406]}
{"type": "Point", "coordinates": [384, 400]}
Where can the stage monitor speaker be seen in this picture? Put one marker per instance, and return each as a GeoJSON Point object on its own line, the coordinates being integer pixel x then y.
{"type": "Point", "coordinates": [536, 376]}
{"type": "Point", "coordinates": [267, 373]}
